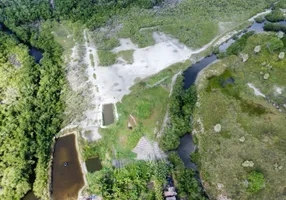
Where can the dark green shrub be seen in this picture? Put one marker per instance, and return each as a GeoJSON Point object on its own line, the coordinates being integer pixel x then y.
{"type": "Point", "coordinates": [274, 44]}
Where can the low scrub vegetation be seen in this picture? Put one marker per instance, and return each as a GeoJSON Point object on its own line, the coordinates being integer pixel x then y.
{"type": "Point", "coordinates": [250, 124]}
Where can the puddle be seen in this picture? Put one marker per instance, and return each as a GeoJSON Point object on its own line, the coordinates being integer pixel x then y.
{"type": "Point", "coordinates": [108, 116]}
{"type": "Point", "coordinates": [93, 164]}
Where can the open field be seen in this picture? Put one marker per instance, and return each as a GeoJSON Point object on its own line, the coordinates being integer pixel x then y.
{"type": "Point", "coordinates": [252, 128]}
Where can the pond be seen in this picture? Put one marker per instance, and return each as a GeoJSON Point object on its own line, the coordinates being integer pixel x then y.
{"type": "Point", "coordinates": [30, 196]}
{"type": "Point", "coordinates": [93, 164]}
{"type": "Point", "coordinates": [108, 116]}
{"type": "Point", "coordinates": [67, 178]}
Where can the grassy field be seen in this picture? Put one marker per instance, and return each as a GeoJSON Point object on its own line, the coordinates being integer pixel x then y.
{"type": "Point", "coordinates": [127, 55]}
{"type": "Point", "coordinates": [194, 23]}
{"type": "Point", "coordinates": [148, 110]}
{"type": "Point", "coordinates": [252, 128]}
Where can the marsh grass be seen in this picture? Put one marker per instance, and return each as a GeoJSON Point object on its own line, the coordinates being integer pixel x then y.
{"type": "Point", "coordinates": [106, 58]}
{"type": "Point", "coordinates": [241, 113]}
{"type": "Point", "coordinates": [127, 55]}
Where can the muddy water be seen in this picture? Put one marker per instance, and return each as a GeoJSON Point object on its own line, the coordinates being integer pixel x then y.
{"type": "Point", "coordinates": [30, 196]}
{"type": "Point", "coordinates": [93, 164]}
{"type": "Point", "coordinates": [67, 180]}
{"type": "Point", "coordinates": [108, 116]}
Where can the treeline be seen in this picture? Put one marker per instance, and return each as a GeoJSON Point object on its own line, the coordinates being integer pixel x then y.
{"type": "Point", "coordinates": [92, 13]}
{"type": "Point", "coordinates": [181, 107]}
{"type": "Point", "coordinates": [31, 104]}
{"type": "Point", "coordinates": [138, 180]}
{"type": "Point", "coordinates": [275, 16]}
{"type": "Point", "coordinates": [19, 78]}
{"type": "Point", "coordinates": [145, 180]}
{"type": "Point", "coordinates": [186, 184]}
{"type": "Point", "coordinates": [30, 112]}
{"type": "Point", "coordinates": [274, 27]}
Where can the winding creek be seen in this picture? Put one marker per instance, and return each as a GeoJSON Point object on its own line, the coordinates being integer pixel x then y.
{"type": "Point", "coordinates": [187, 145]}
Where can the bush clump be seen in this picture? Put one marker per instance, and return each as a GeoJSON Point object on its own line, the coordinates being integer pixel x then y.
{"type": "Point", "coordinates": [274, 44]}
{"type": "Point", "coordinates": [275, 16]}
{"type": "Point", "coordinates": [256, 181]}
{"type": "Point", "coordinates": [106, 58]}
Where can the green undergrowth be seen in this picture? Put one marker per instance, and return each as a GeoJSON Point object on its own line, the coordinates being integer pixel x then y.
{"type": "Point", "coordinates": [168, 72]}
{"type": "Point", "coordinates": [275, 16]}
{"type": "Point", "coordinates": [148, 107]}
{"type": "Point", "coordinates": [185, 22]}
{"type": "Point", "coordinates": [186, 184]}
{"type": "Point", "coordinates": [127, 55]}
{"type": "Point", "coordinates": [252, 128]}
{"type": "Point", "coordinates": [137, 180]}
{"type": "Point", "coordinates": [106, 58]}
{"type": "Point", "coordinates": [66, 33]}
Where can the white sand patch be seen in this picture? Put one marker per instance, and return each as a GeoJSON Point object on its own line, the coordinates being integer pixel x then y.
{"type": "Point", "coordinates": [114, 81]}
{"type": "Point", "coordinates": [125, 44]}
{"type": "Point", "coordinates": [256, 91]}
{"type": "Point", "coordinates": [147, 150]}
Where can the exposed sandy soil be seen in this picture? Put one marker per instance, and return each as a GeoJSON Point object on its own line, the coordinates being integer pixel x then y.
{"type": "Point", "coordinates": [113, 82]}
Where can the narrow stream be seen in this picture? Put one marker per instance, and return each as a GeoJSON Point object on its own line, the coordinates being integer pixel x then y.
{"type": "Point", "coordinates": [33, 51]}
{"type": "Point", "coordinates": [187, 146]}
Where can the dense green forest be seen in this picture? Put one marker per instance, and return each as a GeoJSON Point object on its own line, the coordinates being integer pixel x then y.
{"type": "Point", "coordinates": [30, 113]}
{"type": "Point", "coordinates": [31, 94]}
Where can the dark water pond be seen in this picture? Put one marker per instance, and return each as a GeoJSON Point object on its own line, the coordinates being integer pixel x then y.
{"type": "Point", "coordinates": [33, 51]}
{"type": "Point", "coordinates": [67, 174]}
{"type": "Point", "coordinates": [191, 73]}
{"type": "Point", "coordinates": [36, 53]}
{"type": "Point", "coordinates": [93, 164]}
{"type": "Point", "coordinates": [186, 147]}
{"type": "Point", "coordinates": [30, 196]}
{"type": "Point", "coordinates": [108, 116]}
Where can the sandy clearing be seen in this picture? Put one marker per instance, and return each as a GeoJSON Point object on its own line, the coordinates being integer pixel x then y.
{"type": "Point", "coordinates": [147, 150]}
{"type": "Point", "coordinates": [113, 82]}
